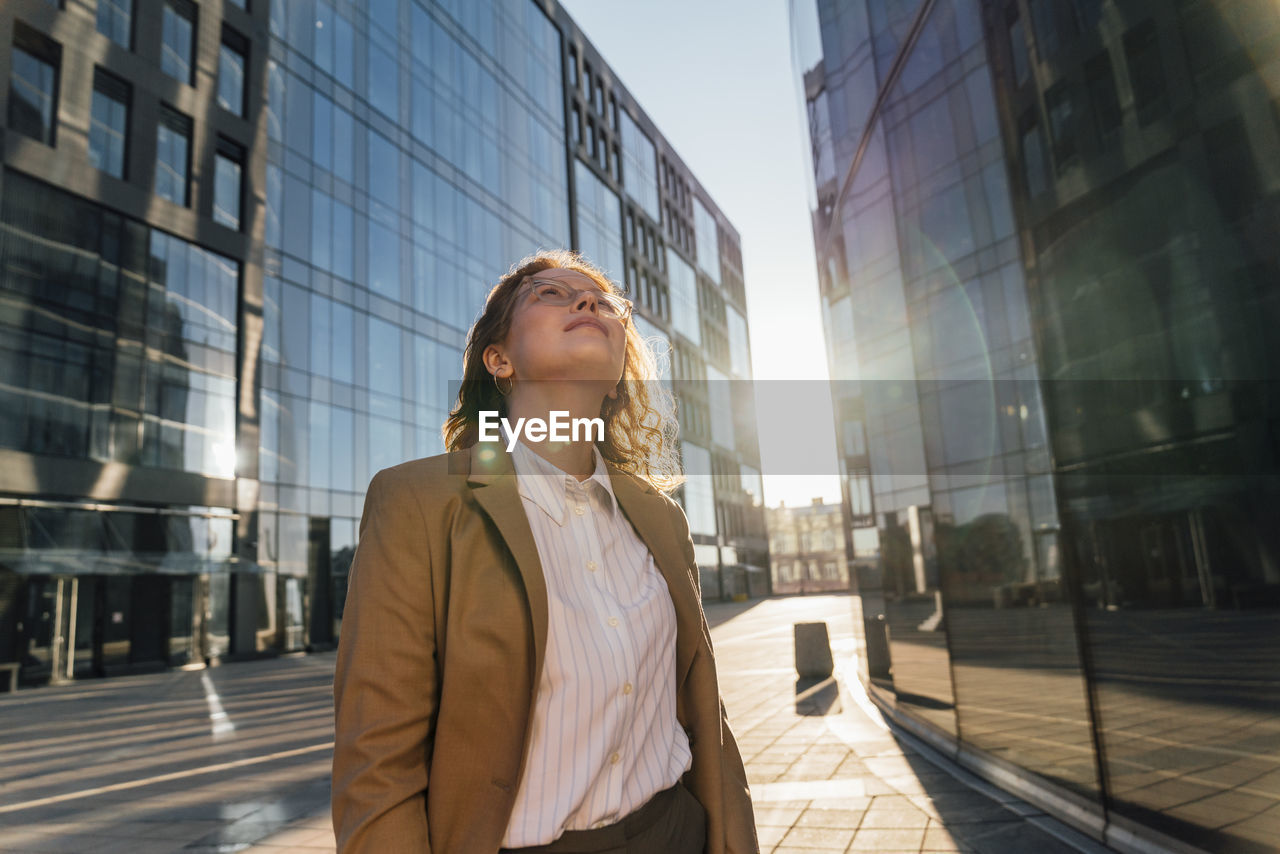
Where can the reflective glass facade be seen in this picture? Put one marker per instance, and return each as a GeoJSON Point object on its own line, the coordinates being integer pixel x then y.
{"type": "Point", "coordinates": [209, 354]}
{"type": "Point", "coordinates": [1045, 292]}
{"type": "Point", "coordinates": [640, 170]}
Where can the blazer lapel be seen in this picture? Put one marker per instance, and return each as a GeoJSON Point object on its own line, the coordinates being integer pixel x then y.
{"type": "Point", "coordinates": [493, 482]}
{"type": "Point", "coordinates": [649, 515]}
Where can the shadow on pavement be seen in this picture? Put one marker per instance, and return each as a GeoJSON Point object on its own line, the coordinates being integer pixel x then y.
{"type": "Point", "coordinates": [816, 696]}
{"type": "Point", "coordinates": [978, 822]}
{"type": "Point", "coordinates": [723, 612]}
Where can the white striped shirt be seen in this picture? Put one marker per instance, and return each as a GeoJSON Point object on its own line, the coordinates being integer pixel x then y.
{"type": "Point", "coordinates": [605, 737]}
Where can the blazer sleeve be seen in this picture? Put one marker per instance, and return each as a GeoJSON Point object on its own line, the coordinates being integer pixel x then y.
{"type": "Point", "coordinates": [384, 687]}
{"type": "Point", "coordinates": [740, 819]}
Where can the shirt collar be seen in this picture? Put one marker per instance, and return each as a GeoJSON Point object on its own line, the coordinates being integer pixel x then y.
{"type": "Point", "coordinates": [546, 484]}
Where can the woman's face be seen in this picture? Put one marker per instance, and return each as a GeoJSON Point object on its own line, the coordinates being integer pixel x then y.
{"type": "Point", "coordinates": [577, 341]}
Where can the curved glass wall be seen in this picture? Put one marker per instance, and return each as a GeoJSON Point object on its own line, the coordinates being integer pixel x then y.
{"type": "Point", "coordinates": [1053, 210]}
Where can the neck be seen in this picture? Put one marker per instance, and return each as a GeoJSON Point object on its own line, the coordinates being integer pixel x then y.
{"type": "Point", "coordinates": [579, 401]}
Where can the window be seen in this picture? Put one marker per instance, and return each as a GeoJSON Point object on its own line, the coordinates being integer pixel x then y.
{"type": "Point", "coordinates": [1088, 14]}
{"type": "Point", "coordinates": [384, 80]}
{"type": "Point", "coordinates": [228, 165]}
{"type": "Point", "coordinates": [115, 21]}
{"type": "Point", "coordinates": [173, 155]}
{"type": "Point", "coordinates": [33, 85]}
{"type": "Point", "coordinates": [640, 167]}
{"type": "Point", "coordinates": [708, 245]}
{"type": "Point", "coordinates": [178, 39]}
{"type": "Point", "coordinates": [1214, 44]}
{"type": "Point", "coordinates": [1033, 158]}
{"type": "Point", "coordinates": [573, 67]}
{"type": "Point", "coordinates": [1146, 72]}
{"type": "Point", "coordinates": [109, 123]}
{"type": "Point", "coordinates": [1102, 96]}
{"type": "Point", "coordinates": [1233, 171]}
{"type": "Point", "coordinates": [1060, 106]}
{"type": "Point", "coordinates": [1053, 24]}
{"type": "Point", "coordinates": [231, 71]}
{"type": "Point", "coordinates": [1018, 50]}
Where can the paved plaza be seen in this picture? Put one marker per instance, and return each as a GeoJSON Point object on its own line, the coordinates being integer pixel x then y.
{"type": "Point", "coordinates": [236, 758]}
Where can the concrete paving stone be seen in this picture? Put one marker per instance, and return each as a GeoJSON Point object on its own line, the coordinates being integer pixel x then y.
{"type": "Point", "coordinates": [888, 838]}
{"type": "Point", "coordinates": [823, 817]}
{"type": "Point", "coordinates": [894, 818]}
{"type": "Point", "coordinates": [770, 835]}
{"type": "Point", "coordinates": [189, 830]}
{"type": "Point", "coordinates": [891, 801]}
{"type": "Point", "coordinates": [58, 843]}
{"type": "Point", "coordinates": [819, 837]}
{"type": "Point", "coordinates": [938, 838]}
{"type": "Point", "coordinates": [807, 772]}
{"type": "Point", "coordinates": [778, 816]}
{"type": "Point", "coordinates": [878, 787]}
{"type": "Point", "coordinates": [1011, 838]}
{"type": "Point", "coordinates": [301, 847]}
{"type": "Point", "coordinates": [21, 836]}
{"type": "Point", "coordinates": [298, 836]}
{"type": "Point", "coordinates": [765, 774]}
{"type": "Point", "coordinates": [140, 846]}
{"type": "Point", "coordinates": [904, 785]}
{"type": "Point", "coordinates": [243, 832]}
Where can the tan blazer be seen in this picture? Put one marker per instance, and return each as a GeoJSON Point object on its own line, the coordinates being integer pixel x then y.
{"type": "Point", "coordinates": [442, 644]}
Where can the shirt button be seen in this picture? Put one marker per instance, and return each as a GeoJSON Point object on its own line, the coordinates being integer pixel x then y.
{"type": "Point", "coordinates": [626, 689]}
{"type": "Point", "coordinates": [613, 760]}
{"type": "Point", "coordinates": [592, 566]}
{"type": "Point", "coordinates": [613, 621]}
{"type": "Point", "coordinates": [579, 509]}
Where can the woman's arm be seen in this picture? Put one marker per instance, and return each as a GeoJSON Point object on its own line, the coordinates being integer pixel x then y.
{"type": "Point", "coordinates": [384, 688]}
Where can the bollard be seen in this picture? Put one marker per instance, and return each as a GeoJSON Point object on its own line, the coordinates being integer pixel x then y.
{"type": "Point", "coordinates": [813, 650]}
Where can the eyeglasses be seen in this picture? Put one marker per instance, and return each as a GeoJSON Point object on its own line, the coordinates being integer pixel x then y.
{"type": "Point", "coordinates": [554, 292]}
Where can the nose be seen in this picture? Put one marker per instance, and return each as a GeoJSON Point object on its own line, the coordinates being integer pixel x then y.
{"type": "Point", "coordinates": [586, 301]}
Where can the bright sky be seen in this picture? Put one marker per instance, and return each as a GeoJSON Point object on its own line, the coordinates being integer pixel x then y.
{"type": "Point", "coordinates": [715, 77]}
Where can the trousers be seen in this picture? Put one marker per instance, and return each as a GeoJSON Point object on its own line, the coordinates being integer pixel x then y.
{"type": "Point", "coordinates": [671, 822]}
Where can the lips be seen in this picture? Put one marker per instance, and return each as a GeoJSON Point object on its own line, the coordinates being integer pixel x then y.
{"type": "Point", "coordinates": [587, 321]}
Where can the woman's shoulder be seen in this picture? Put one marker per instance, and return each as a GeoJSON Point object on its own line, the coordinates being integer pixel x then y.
{"type": "Point", "coordinates": [430, 480]}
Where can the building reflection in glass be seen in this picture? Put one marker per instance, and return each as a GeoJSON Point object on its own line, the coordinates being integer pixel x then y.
{"type": "Point", "coordinates": [1045, 237]}
{"type": "Point", "coordinates": [119, 346]}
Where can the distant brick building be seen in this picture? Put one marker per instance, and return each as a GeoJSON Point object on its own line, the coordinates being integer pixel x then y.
{"type": "Point", "coordinates": [807, 548]}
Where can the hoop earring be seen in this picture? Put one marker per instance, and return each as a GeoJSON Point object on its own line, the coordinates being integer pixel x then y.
{"type": "Point", "coordinates": [499, 387]}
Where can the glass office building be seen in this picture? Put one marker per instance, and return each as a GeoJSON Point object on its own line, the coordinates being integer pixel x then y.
{"type": "Point", "coordinates": [240, 247]}
{"type": "Point", "coordinates": [1045, 235]}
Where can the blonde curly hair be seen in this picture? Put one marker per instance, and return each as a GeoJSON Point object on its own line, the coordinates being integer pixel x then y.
{"type": "Point", "coordinates": [640, 435]}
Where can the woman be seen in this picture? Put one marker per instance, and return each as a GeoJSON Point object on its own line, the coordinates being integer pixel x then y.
{"type": "Point", "coordinates": [524, 663]}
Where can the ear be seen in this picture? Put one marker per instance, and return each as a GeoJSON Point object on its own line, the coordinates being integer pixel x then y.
{"type": "Point", "coordinates": [496, 362]}
{"type": "Point", "coordinates": [613, 393]}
